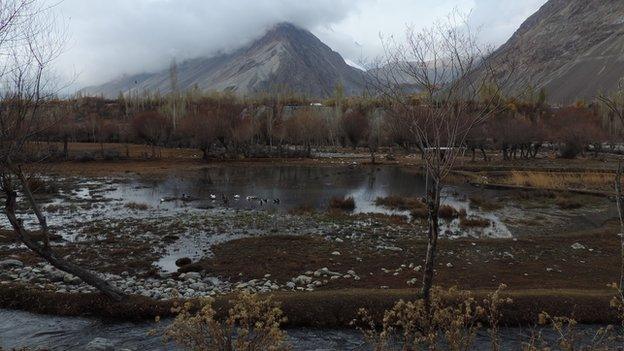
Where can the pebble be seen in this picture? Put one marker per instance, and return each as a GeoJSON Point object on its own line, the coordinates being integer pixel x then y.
{"type": "Point", "coordinates": [11, 263]}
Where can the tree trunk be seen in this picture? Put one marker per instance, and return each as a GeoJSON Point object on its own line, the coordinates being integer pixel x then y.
{"type": "Point", "coordinates": [46, 252]}
{"type": "Point", "coordinates": [485, 157]}
{"type": "Point", "coordinates": [65, 148]}
{"type": "Point", "coordinates": [433, 204]}
{"type": "Point", "coordinates": [43, 223]}
{"type": "Point", "coordinates": [620, 208]}
{"type": "Point", "coordinates": [205, 156]}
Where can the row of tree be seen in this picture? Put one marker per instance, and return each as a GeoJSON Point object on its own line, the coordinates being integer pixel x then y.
{"type": "Point", "coordinates": [226, 124]}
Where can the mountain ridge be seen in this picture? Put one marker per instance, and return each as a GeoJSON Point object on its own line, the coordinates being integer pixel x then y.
{"type": "Point", "coordinates": [574, 49]}
{"type": "Point", "coordinates": [286, 58]}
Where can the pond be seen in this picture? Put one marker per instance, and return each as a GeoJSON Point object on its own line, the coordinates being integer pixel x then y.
{"type": "Point", "coordinates": [279, 187]}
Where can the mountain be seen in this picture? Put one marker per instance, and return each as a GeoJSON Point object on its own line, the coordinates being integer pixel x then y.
{"type": "Point", "coordinates": [574, 49]}
{"type": "Point", "coordinates": [285, 59]}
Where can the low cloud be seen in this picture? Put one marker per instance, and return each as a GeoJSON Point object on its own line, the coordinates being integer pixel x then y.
{"type": "Point", "coordinates": [109, 38]}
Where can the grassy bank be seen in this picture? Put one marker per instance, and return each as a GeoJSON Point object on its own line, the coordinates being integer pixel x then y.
{"type": "Point", "coordinates": [320, 309]}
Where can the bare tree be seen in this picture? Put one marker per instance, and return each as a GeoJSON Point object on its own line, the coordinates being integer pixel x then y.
{"type": "Point", "coordinates": [615, 104]}
{"type": "Point", "coordinates": [29, 42]}
{"type": "Point", "coordinates": [445, 65]}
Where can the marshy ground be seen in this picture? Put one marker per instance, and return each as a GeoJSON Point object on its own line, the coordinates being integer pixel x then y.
{"type": "Point", "coordinates": [544, 226]}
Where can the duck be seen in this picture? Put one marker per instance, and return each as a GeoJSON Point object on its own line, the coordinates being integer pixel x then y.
{"type": "Point", "coordinates": [213, 196]}
{"type": "Point", "coordinates": [236, 197]}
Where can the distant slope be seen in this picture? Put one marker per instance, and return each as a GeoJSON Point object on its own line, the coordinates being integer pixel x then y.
{"type": "Point", "coordinates": [286, 58]}
{"type": "Point", "coordinates": [572, 48]}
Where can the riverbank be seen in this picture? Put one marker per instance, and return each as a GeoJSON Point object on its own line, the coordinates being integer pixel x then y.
{"type": "Point", "coordinates": [319, 309]}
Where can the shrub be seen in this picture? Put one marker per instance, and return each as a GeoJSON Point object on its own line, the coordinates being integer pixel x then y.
{"type": "Point", "coordinates": [419, 213]}
{"type": "Point", "coordinates": [454, 323]}
{"type": "Point", "coordinates": [345, 204]}
{"type": "Point", "coordinates": [85, 157]}
{"type": "Point", "coordinates": [111, 155]}
{"type": "Point", "coordinates": [251, 324]}
{"type": "Point", "coordinates": [40, 186]}
{"type": "Point", "coordinates": [136, 206]}
{"type": "Point", "coordinates": [473, 222]}
{"type": "Point", "coordinates": [571, 150]}
{"type": "Point", "coordinates": [447, 212]}
{"type": "Point", "coordinates": [400, 203]}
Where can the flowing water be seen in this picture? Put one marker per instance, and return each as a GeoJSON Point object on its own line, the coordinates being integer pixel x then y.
{"type": "Point", "coordinates": [22, 329]}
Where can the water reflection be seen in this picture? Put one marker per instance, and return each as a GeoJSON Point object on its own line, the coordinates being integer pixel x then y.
{"type": "Point", "coordinates": [282, 187]}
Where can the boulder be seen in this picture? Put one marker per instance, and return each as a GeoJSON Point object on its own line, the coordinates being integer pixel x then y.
{"type": "Point", "coordinates": [184, 261]}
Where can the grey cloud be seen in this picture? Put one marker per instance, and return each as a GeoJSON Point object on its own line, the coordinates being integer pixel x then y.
{"type": "Point", "coordinates": [109, 38]}
{"type": "Point", "coordinates": [112, 37]}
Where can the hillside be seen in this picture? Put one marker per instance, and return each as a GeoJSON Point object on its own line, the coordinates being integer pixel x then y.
{"type": "Point", "coordinates": [572, 48]}
{"type": "Point", "coordinates": [286, 59]}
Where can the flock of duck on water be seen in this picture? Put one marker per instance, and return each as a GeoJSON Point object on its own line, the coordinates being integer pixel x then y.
{"type": "Point", "coordinates": [224, 198]}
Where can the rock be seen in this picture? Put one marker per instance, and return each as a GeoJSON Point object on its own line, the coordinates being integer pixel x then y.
{"type": "Point", "coordinates": [336, 253]}
{"type": "Point", "coordinates": [302, 280]}
{"type": "Point", "coordinates": [290, 285]}
{"type": "Point", "coordinates": [71, 280]}
{"type": "Point", "coordinates": [170, 238]}
{"type": "Point", "coordinates": [100, 344]}
{"type": "Point", "coordinates": [389, 248]}
{"type": "Point", "coordinates": [191, 275]}
{"type": "Point", "coordinates": [5, 264]}
{"type": "Point", "coordinates": [198, 286]}
{"type": "Point", "coordinates": [578, 246]}
{"type": "Point", "coordinates": [56, 277]}
{"type": "Point", "coordinates": [449, 265]}
{"type": "Point", "coordinates": [338, 240]}
{"type": "Point", "coordinates": [184, 261]}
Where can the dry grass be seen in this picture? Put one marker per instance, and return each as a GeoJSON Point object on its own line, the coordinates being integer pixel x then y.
{"type": "Point", "coordinates": [137, 206]}
{"type": "Point", "coordinates": [400, 203]}
{"type": "Point", "coordinates": [345, 204]}
{"type": "Point", "coordinates": [473, 222]}
{"type": "Point", "coordinates": [484, 203]}
{"type": "Point", "coordinates": [560, 180]}
{"type": "Point", "coordinates": [304, 209]}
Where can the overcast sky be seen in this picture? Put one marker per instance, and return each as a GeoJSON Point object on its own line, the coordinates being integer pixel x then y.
{"type": "Point", "coordinates": [108, 38]}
